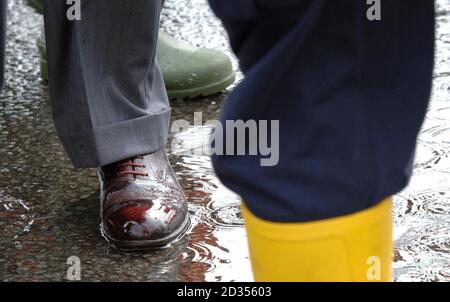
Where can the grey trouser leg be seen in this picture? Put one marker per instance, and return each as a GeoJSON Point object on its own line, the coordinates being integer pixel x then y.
{"type": "Point", "coordinates": [3, 4]}
{"type": "Point", "coordinates": [108, 95]}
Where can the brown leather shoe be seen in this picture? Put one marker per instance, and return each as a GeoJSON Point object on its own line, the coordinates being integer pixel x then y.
{"type": "Point", "coordinates": [142, 204]}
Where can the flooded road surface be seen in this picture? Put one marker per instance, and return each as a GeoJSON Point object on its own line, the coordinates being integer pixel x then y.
{"type": "Point", "coordinates": [50, 211]}
{"type": "Point", "coordinates": [422, 210]}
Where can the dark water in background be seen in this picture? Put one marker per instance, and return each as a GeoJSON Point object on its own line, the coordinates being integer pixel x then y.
{"type": "Point", "coordinates": [50, 211]}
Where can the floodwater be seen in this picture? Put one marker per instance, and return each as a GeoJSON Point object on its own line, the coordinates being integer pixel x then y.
{"type": "Point", "coordinates": [50, 211]}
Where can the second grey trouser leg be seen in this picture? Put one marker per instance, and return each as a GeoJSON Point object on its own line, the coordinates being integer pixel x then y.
{"type": "Point", "coordinates": [3, 5]}
{"type": "Point", "coordinates": [108, 96]}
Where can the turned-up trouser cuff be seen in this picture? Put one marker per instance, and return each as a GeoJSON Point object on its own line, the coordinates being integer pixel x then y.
{"type": "Point", "coordinates": [108, 96]}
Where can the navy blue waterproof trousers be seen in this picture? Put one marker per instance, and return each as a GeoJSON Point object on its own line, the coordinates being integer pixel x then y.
{"type": "Point", "coordinates": [350, 95]}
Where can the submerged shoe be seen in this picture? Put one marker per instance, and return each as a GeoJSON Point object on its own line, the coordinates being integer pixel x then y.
{"type": "Point", "coordinates": [355, 247]}
{"type": "Point", "coordinates": [142, 204]}
{"type": "Point", "coordinates": [189, 71]}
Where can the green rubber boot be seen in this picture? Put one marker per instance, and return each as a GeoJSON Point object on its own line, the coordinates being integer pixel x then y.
{"type": "Point", "coordinates": [188, 71]}
{"type": "Point", "coordinates": [37, 5]}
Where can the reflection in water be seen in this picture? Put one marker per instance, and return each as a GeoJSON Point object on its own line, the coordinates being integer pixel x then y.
{"type": "Point", "coordinates": [49, 211]}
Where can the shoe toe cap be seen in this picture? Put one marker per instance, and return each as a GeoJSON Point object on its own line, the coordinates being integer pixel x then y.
{"type": "Point", "coordinates": [143, 221]}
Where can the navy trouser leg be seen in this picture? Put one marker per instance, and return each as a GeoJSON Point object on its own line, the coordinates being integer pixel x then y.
{"type": "Point", "coordinates": [350, 95]}
{"type": "Point", "coordinates": [3, 5]}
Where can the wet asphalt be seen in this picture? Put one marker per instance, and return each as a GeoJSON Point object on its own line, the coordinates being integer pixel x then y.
{"type": "Point", "coordinates": [50, 211]}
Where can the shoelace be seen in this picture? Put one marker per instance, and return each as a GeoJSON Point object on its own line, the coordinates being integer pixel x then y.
{"type": "Point", "coordinates": [131, 165]}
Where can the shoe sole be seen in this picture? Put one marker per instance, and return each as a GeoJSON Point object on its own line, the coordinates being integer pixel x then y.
{"type": "Point", "coordinates": [149, 244]}
{"type": "Point", "coordinates": [206, 90]}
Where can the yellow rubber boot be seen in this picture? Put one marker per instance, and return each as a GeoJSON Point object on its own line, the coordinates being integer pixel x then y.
{"type": "Point", "coordinates": [356, 247]}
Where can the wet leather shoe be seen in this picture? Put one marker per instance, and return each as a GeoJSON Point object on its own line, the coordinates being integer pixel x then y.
{"type": "Point", "coordinates": [142, 203]}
